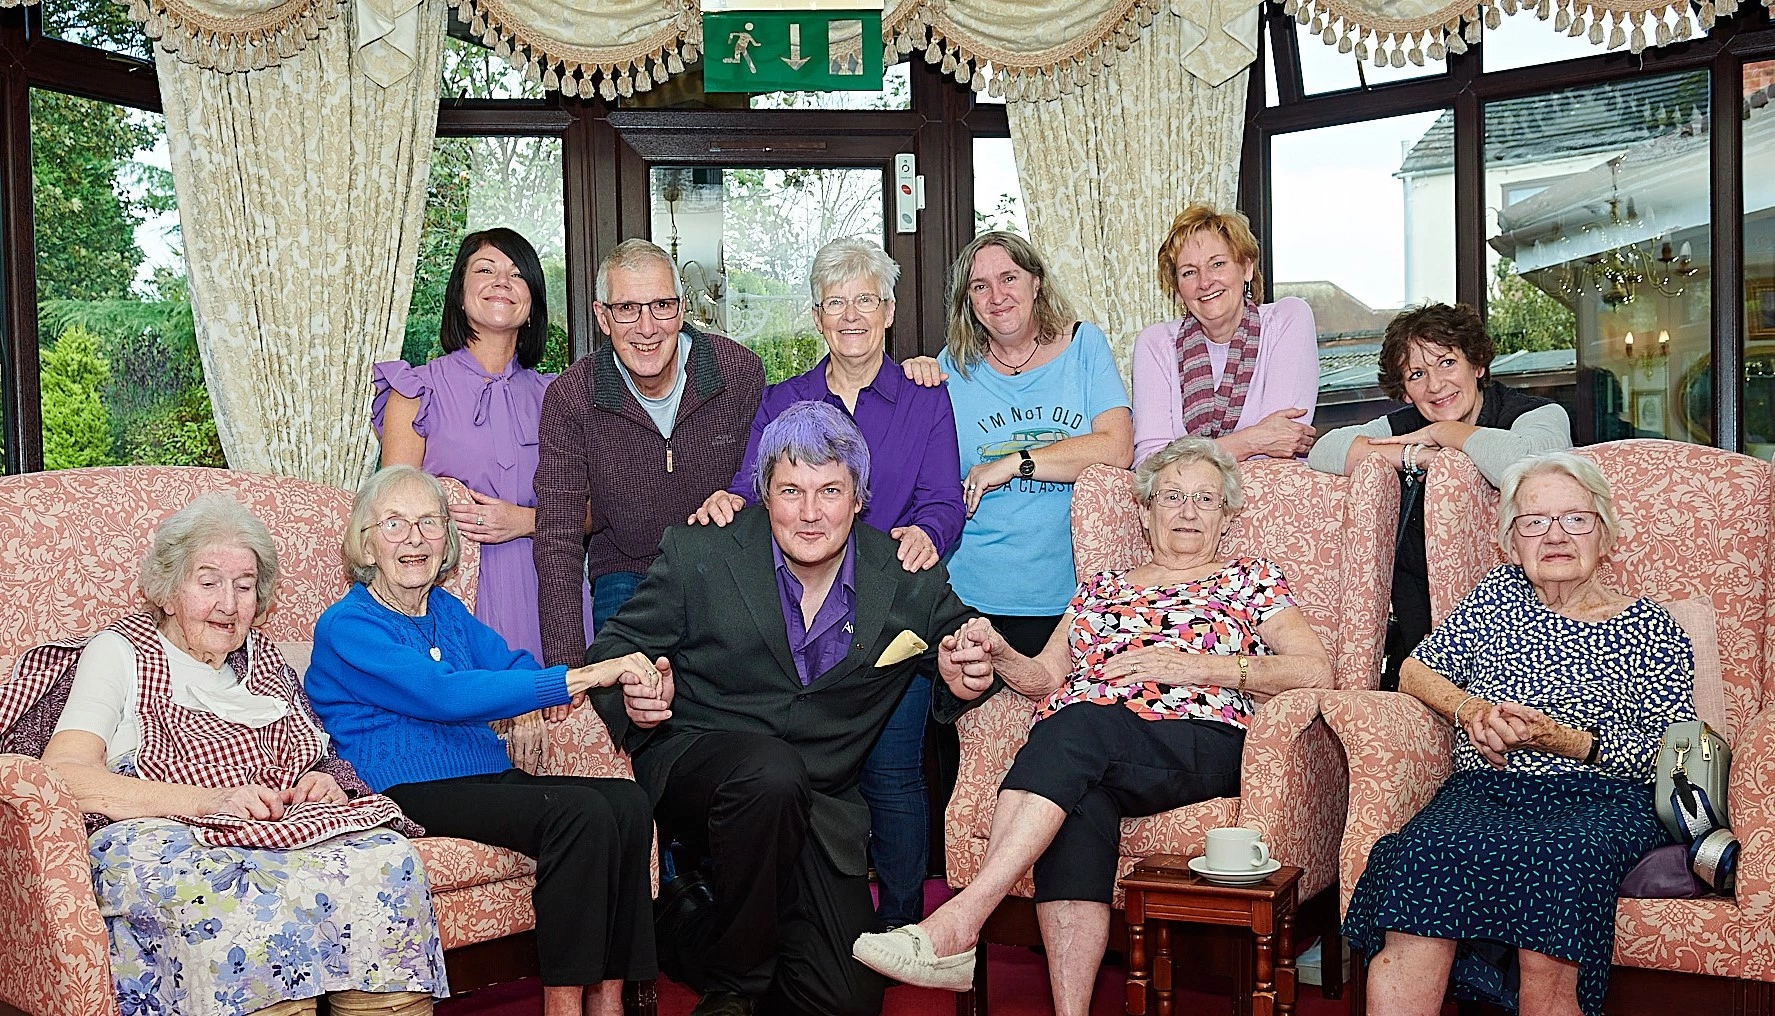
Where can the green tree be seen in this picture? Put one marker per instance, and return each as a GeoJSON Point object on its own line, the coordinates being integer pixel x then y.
{"type": "Point", "coordinates": [1520, 316]}
{"type": "Point", "coordinates": [90, 194]}
{"type": "Point", "coordinates": [102, 23]}
{"type": "Point", "coordinates": [76, 424]}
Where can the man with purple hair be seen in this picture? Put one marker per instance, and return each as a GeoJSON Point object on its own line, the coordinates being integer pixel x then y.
{"type": "Point", "coordinates": [791, 636]}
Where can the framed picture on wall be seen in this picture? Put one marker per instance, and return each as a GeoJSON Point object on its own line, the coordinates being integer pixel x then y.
{"type": "Point", "coordinates": [1648, 412]}
{"type": "Point", "coordinates": [1761, 312]}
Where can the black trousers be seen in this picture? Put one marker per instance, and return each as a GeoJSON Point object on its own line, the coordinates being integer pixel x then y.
{"type": "Point", "coordinates": [785, 918]}
{"type": "Point", "coordinates": [1102, 763]}
{"type": "Point", "coordinates": [592, 840]}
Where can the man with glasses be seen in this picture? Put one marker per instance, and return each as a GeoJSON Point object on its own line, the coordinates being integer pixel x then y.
{"type": "Point", "coordinates": [633, 437]}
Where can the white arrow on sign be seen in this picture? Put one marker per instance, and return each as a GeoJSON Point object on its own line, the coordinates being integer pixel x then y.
{"type": "Point", "coordinates": [795, 60]}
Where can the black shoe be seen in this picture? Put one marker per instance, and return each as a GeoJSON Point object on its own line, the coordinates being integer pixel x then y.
{"type": "Point", "coordinates": [683, 918]}
{"type": "Point", "coordinates": [723, 1003]}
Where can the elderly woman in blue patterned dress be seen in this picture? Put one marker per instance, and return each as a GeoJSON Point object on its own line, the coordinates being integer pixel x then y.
{"type": "Point", "coordinates": [238, 873]}
{"type": "Point", "coordinates": [1560, 689]}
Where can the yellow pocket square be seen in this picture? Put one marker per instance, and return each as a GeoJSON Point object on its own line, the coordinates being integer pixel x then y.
{"type": "Point", "coordinates": [904, 647]}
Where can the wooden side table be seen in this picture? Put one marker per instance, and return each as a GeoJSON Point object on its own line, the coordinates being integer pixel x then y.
{"type": "Point", "coordinates": [1162, 889]}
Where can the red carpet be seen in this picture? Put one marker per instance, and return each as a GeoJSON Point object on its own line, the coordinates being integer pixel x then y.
{"type": "Point", "coordinates": [1019, 987]}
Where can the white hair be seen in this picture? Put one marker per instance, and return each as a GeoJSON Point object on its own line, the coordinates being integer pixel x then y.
{"type": "Point", "coordinates": [631, 255]}
{"type": "Point", "coordinates": [1579, 469]}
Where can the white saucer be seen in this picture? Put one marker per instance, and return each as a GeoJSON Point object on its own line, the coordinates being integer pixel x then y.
{"type": "Point", "coordinates": [1199, 865]}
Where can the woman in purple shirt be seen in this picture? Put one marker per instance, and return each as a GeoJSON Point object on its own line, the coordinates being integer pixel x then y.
{"type": "Point", "coordinates": [472, 415]}
{"type": "Point", "coordinates": [1244, 374]}
{"type": "Point", "coordinates": [914, 496]}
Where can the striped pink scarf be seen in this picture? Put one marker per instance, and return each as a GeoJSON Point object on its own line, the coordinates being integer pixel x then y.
{"type": "Point", "coordinates": [1211, 410]}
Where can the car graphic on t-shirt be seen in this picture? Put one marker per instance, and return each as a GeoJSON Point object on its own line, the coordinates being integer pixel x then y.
{"type": "Point", "coordinates": [1022, 440]}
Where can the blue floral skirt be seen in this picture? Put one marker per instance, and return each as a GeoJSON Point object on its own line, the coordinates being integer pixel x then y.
{"type": "Point", "coordinates": [1501, 861]}
{"type": "Point", "coordinates": [221, 931]}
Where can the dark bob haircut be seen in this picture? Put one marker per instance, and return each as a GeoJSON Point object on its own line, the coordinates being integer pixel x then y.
{"type": "Point", "coordinates": [533, 334]}
{"type": "Point", "coordinates": [1440, 325]}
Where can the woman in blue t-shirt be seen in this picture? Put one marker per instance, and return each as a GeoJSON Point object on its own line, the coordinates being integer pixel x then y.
{"type": "Point", "coordinates": [1037, 398]}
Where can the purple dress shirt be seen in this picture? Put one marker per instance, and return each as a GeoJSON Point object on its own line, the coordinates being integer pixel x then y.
{"type": "Point", "coordinates": [914, 460]}
{"type": "Point", "coordinates": [819, 647]}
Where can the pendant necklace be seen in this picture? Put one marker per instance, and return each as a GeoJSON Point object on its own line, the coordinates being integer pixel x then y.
{"type": "Point", "coordinates": [1017, 369]}
{"type": "Point", "coordinates": [437, 654]}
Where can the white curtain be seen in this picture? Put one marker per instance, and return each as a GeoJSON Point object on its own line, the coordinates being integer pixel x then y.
{"type": "Point", "coordinates": [301, 191]}
{"type": "Point", "coordinates": [1104, 169]}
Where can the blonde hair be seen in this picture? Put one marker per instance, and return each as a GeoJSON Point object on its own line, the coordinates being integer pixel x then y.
{"type": "Point", "coordinates": [1233, 227]}
{"type": "Point", "coordinates": [967, 337]}
{"type": "Point", "coordinates": [355, 548]}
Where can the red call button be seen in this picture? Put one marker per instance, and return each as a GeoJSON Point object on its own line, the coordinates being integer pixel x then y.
{"type": "Point", "coordinates": [906, 189]}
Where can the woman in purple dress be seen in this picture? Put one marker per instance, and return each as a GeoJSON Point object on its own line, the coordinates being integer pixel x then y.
{"type": "Point", "coordinates": [471, 415]}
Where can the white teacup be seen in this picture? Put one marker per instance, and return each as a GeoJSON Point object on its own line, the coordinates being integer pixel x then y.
{"type": "Point", "coordinates": [1236, 848]}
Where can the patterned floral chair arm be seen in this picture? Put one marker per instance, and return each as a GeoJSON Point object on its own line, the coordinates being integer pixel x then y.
{"type": "Point", "coordinates": [991, 734]}
{"type": "Point", "coordinates": [1460, 527]}
{"type": "Point", "coordinates": [580, 745]}
{"type": "Point", "coordinates": [1398, 753]}
{"type": "Point", "coordinates": [1294, 785]}
{"type": "Point", "coordinates": [54, 957]}
{"type": "Point", "coordinates": [1751, 803]}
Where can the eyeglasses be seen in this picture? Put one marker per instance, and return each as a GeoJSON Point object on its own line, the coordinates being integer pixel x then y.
{"type": "Point", "coordinates": [866, 303]}
{"type": "Point", "coordinates": [397, 529]}
{"type": "Point", "coordinates": [1574, 523]}
{"type": "Point", "coordinates": [663, 309]}
{"type": "Point", "coordinates": [1206, 500]}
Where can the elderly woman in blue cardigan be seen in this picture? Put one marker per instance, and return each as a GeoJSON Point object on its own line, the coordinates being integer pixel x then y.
{"type": "Point", "coordinates": [407, 680]}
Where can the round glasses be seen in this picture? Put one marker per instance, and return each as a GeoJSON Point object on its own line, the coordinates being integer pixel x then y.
{"type": "Point", "coordinates": [866, 303]}
{"type": "Point", "coordinates": [397, 529]}
{"type": "Point", "coordinates": [663, 309]}
{"type": "Point", "coordinates": [1206, 500]}
{"type": "Point", "coordinates": [1574, 523]}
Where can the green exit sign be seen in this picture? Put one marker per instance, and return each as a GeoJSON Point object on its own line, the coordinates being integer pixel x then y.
{"type": "Point", "coordinates": [789, 46]}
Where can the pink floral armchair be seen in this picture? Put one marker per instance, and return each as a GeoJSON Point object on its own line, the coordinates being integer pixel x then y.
{"type": "Point", "coordinates": [1333, 537]}
{"type": "Point", "coordinates": [70, 545]}
{"type": "Point", "coordinates": [1696, 523]}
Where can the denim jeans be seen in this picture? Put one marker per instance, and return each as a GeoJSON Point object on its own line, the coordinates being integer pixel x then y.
{"type": "Point", "coordinates": [609, 592]}
{"type": "Point", "coordinates": [899, 815]}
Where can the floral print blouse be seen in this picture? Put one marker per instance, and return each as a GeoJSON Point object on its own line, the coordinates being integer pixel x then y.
{"type": "Point", "coordinates": [1218, 614]}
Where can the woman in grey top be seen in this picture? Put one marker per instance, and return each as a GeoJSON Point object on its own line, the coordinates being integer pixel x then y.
{"type": "Point", "coordinates": [1436, 359]}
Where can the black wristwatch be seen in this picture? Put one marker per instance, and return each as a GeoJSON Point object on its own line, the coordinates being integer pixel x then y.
{"type": "Point", "coordinates": [1594, 755]}
{"type": "Point", "coordinates": [1026, 468]}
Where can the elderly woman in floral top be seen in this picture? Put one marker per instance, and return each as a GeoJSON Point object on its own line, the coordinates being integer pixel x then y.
{"type": "Point", "coordinates": [1142, 698]}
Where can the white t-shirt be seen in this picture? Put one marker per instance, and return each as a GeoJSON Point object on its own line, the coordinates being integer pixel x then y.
{"type": "Point", "coordinates": [103, 698]}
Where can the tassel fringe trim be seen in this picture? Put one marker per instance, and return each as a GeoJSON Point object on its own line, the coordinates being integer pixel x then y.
{"type": "Point", "coordinates": [229, 44]}
{"type": "Point", "coordinates": [576, 71]}
{"type": "Point", "coordinates": [1635, 24]}
{"type": "Point", "coordinates": [1018, 76]}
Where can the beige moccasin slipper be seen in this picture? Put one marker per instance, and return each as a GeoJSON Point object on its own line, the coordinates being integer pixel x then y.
{"type": "Point", "coordinates": [906, 955]}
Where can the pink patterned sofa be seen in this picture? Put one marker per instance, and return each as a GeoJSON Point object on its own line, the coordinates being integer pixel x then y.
{"type": "Point", "coordinates": [1333, 537]}
{"type": "Point", "coordinates": [1697, 525]}
{"type": "Point", "coordinates": [70, 543]}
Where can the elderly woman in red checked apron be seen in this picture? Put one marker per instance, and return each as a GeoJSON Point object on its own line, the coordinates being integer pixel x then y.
{"type": "Point", "coordinates": [238, 863]}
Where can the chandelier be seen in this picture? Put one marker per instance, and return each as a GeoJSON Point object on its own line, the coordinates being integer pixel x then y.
{"type": "Point", "coordinates": [1619, 272]}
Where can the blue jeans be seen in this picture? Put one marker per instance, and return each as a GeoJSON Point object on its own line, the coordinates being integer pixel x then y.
{"type": "Point", "coordinates": [899, 815]}
{"type": "Point", "coordinates": [609, 592]}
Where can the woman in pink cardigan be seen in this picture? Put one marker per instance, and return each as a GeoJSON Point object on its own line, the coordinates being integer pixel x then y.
{"type": "Point", "coordinates": [1244, 374]}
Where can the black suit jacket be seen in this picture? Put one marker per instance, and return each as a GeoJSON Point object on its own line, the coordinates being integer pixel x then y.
{"type": "Point", "coordinates": [710, 605]}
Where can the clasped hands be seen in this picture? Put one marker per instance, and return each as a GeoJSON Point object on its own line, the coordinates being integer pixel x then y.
{"type": "Point", "coordinates": [647, 688]}
{"type": "Point", "coordinates": [966, 659]}
{"type": "Point", "coordinates": [255, 801]}
{"type": "Point", "coordinates": [1500, 728]}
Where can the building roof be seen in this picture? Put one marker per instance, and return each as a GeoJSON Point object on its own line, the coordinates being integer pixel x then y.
{"type": "Point", "coordinates": [1351, 367]}
{"type": "Point", "coordinates": [1337, 312]}
{"type": "Point", "coordinates": [1594, 118]}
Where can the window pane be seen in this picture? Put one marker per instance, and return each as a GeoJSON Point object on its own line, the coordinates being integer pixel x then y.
{"type": "Point", "coordinates": [1598, 237]}
{"type": "Point", "coordinates": [120, 376]}
{"type": "Point", "coordinates": [1362, 224]}
{"type": "Point", "coordinates": [1271, 93]}
{"type": "Point", "coordinates": [99, 23]}
{"type": "Point", "coordinates": [1759, 258]}
{"type": "Point", "coordinates": [744, 239]}
{"type": "Point", "coordinates": [480, 183]}
{"type": "Point", "coordinates": [1324, 69]}
{"type": "Point", "coordinates": [896, 93]}
{"type": "Point", "coordinates": [470, 70]}
{"type": "Point", "coordinates": [1524, 40]}
{"type": "Point", "coordinates": [998, 194]}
